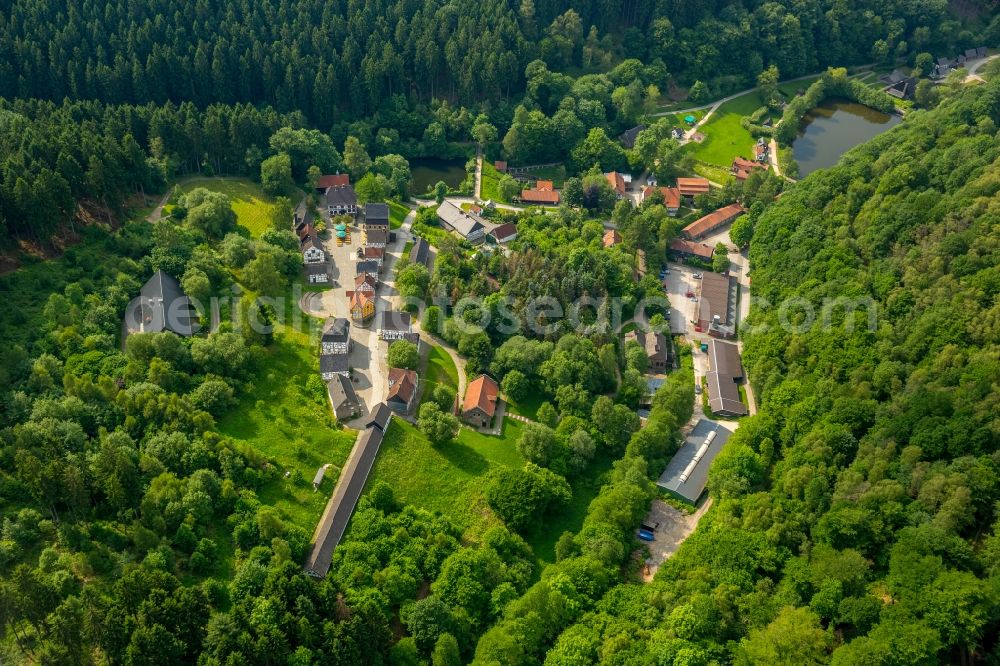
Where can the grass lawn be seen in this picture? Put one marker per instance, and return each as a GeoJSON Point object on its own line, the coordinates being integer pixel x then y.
{"type": "Point", "coordinates": [440, 370]}
{"type": "Point", "coordinates": [677, 119]}
{"type": "Point", "coordinates": [570, 519]}
{"type": "Point", "coordinates": [725, 138]}
{"type": "Point", "coordinates": [447, 479]}
{"type": "Point", "coordinates": [397, 214]}
{"type": "Point", "coordinates": [714, 173]}
{"type": "Point", "coordinates": [489, 188]}
{"type": "Point", "coordinates": [279, 418]}
{"type": "Point", "coordinates": [254, 209]}
{"type": "Point", "coordinates": [528, 408]}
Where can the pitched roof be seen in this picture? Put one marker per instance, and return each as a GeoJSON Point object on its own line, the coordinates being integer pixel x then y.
{"type": "Point", "coordinates": [372, 252]}
{"type": "Point", "coordinates": [394, 320]}
{"type": "Point", "coordinates": [540, 196]}
{"type": "Point", "coordinates": [671, 195]}
{"type": "Point", "coordinates": [419, 251]}
{"type": "Point", "coordinates": [714, 299]}
{"type": "Point", "coordinates": [500, 166]}
{"type": "Point", "coordinates": [364, 279]}
{"type": "Point", "coordinates": [482, 393]}
{"type": "Point", "coordinates": [544, 185]}
{"type": "Point", "coordinates": [359, 299]}
{"type": "Point", "coordinates": [333, 180]}
{"type": "Point", "coordinates": [690, 187]}
{"type": "Point", "coordinates": [713, 220]}
{"type": "Point", "coordinates": [366, 266]}
{"type": "Point", "coordinates": [379, 417]}
{"type": "Point", "coordinates": [341, 391]}
{"type": "Point", "coordinates": [724, 358]}
{"type": "Point", "coordinates": [336, 329]}
{"type": "Point", "coordinates": [162, 306]}
{"type": "Point", "coordinates": [687, 473]}
{"type": "Point", "coordinates": [504, 231]}
{"type": "Point", "coordinates": [611, 237]}
{"type": "Point", "coordinates": [462, 222]}
{"type": "Point", "coordinates": [377, 213]}
{"type": "Point", "coordinates": [628, 136]}
{"type": "Point", "coordinates": [689, 247]}
{"type": "Point", "coordinates": [342, 195]}
{"type": "Point", "coordinates": [374, 236]}
{"type": "Point", "coordinates": [402, 385]}
{"type": "Point", "coordinates": [616, 182]}
{"type": "Point", "coordinates": [315, 269]}
{"type": "Point", "coordinates": [333, 363]}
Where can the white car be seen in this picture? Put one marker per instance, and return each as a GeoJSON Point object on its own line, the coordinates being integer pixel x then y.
{"type": "Point", "coordinates": [697, 276]}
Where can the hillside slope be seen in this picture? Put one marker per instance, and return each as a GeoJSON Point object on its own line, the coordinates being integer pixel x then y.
{"type": "Point", "coordinates": [854, 516]}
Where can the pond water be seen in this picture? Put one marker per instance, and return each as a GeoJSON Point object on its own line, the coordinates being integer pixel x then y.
{"type": "Point", "coordinates": [427, 171]}
{"type": "Point", "coordinates": [833, 128]}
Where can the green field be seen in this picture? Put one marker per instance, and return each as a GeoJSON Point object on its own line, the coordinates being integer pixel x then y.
{"type": "Point", "coordinates": [440, 371]}
{"type": "Point", "coordinates": [725, 138]}
{"type": "Point", "coordinates": [254, 209]}
{"type": "Point", "coordinates": [448, 479]}
{"type": "Point", "coordinates": [557, 174]}
{"type": "Point", "coordinates": [279, 418]}
{"type": "Point", "coordinates": [677, 119]}
{"type": "Point", "coordinates": [397, 214]}
{"type": "Point", "coordinates": [489, 188]}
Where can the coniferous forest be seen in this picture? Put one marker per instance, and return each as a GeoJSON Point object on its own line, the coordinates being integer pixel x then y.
{"type": "Point", "coordinates": [855, 517]}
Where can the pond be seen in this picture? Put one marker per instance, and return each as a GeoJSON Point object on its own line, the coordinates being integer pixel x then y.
{"type": "Point", "coordinates": [833, 128]}
{"type": "Point", "coordinates": [427, 171]}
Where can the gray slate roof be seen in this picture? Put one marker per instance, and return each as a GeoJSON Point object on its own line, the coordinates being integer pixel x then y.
{"type": "Point", "coordinates": [393, 320]}
{"type": "Point", "coordinates": [336, 329]}
{"type": "Point", "coordinates": [693, 486]}
{"type": "Point", "coordinates": [420, 251]}
{"type": "Point", "coordinates": [377, 213]}
{"type": "Point", "coordinates": [376, 237]}
{"type": "Point", "coordinates": [367, 266]}
{"type": "Point", "coordinates": [340, 196]}
{"type": "Point", "coordinates": [161, 306]}
{"type": "Point", "coordinates": [333, 363]}
{"type": "Point", "coordinates": [342, 392]}
{"type": "Point", "coordinates": [315, 269]}
{"type": "Point", "coordinates": [461, 221]}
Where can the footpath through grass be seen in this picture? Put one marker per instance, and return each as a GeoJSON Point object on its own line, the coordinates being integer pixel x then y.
{"type": "Point", "coordinates": [725, 137]}
{"type": "Point", "coordinates": [254, 209]}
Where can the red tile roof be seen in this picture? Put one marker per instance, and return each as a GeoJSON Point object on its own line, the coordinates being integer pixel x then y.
{"type": "Point", "coordinates": [612, 237]}
{"type": "Point", "coordinates": [371, 252]}
{"type": "Point", "coordinates": [671, 195]}
{"type": "Point", "coordinates": [690, 187]}
{"type": "Point", "coordinates": [335, 180]}
{"type": "Point", "coordinates": [544, 185]}
{"type": "Point", "coordinates": [359, 299]}
{"type": "Point", "coordinates": [616, 182]}
{"type": "Point", "coordinates": [500, 166]}
{"type": "Point", "coordinates": [482, 393]}
{"type": "Point", "coordinates": [366, 279]}
{"type": "Point", "coordinates": [692, 248]}
{"type": "Point", "coordinates": [402, 384]}
{"type": "Point", "coordinates": [714, 219]}
{"type": "Point", "coordinates": [540, 196]}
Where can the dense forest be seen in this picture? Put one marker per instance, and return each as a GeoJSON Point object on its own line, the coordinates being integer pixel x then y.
{"type": "Point", "coordinates": [855, 517]}
{"type": "Point", "coordinates": [143, 94]}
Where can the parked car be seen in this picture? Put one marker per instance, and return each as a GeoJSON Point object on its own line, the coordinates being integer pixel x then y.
{"type": "Point", "coordinates": [645, 535]}
{"type": "Point", "coordinates": [697, 276]}
{"type": "Point", "coordinates": [697, 389]}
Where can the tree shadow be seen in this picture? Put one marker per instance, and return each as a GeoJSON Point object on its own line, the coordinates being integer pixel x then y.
{"type": "Point", "coordinates": [464, 457]}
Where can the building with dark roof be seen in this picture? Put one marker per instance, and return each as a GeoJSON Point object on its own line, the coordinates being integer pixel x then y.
{"type": "Point", "coordinates": [724, 379]}
{"type": "Point", "coordinates": [374, 237]}
{"type": "Point", "coordinates": [686, 475]}
{"type": "Point", "coordinates": [376, 216]}
{"type": "Point", "coordinates": [161, 306]}
{"type": "Point", "coordinates": [394, 325]}
{"type": "Point", "coordinates": [350, 485]}
{"type": "Point", "coordinates": [316, 273]}
{"type": "Point", "coordinates": [343, 399]}
{"type": "Point", "coordinates": [717, 305]}
{"type": "Point", "coordinates": [341, 200]}
{"type": "Point", "coordinates": [628, 137]}
{"type": "Point", "coordinates": [367, 267]}
{"type": "Point", "coordinates": [659, 349]}
{"type": "Point", "coordinates": [420, 251]}
{"type": "Point", "coordinates": [504, 233]}
{"type": "Point", "coordinates": [469, 226]}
